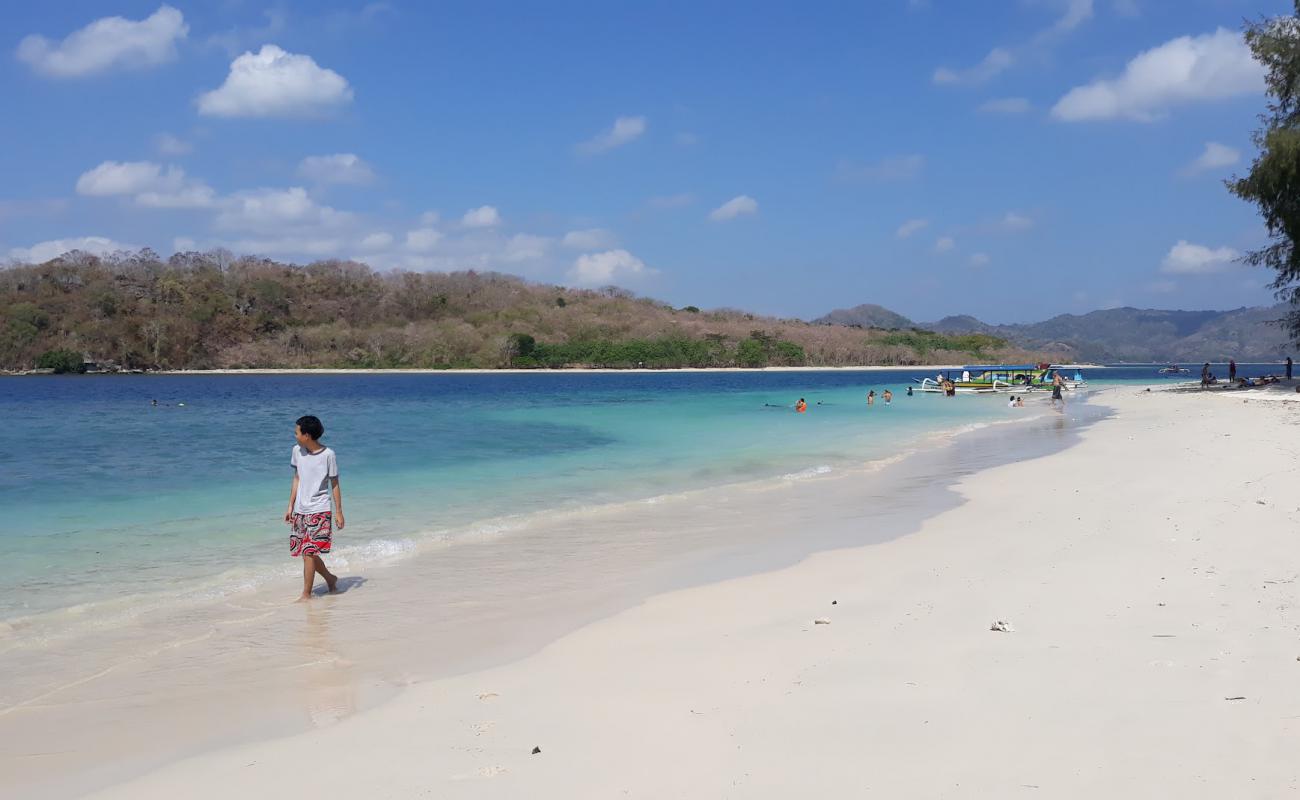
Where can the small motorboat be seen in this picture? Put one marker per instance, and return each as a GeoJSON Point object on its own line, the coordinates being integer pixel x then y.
{"type": "Point", "coordinates": [1174, 369]}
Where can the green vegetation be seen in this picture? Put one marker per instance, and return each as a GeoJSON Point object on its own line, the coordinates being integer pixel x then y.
{"type": "Point", "coordinates": [924, 342]}
{"type": "Point", "coordinates": [211, 310]}
{"type": "Point", "coordinates": [1271, 184]}
{"type": "Point", "coordinates": [61, 361]}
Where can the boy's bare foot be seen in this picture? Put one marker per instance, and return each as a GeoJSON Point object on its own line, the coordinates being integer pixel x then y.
{"type": "Point", "coordinates": [304, 597]}
{"type": "Point", "coordinates": [332, 581]}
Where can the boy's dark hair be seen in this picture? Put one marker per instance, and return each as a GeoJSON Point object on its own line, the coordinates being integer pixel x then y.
{"type": "Point", "coordinates": [311, 426]}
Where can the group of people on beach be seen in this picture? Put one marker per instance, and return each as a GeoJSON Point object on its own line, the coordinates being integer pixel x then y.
{"type": "Point", "coordinates": [1208, 378]}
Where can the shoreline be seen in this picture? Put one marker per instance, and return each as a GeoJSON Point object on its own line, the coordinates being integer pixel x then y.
{"type": "Point", "coordinates": [722, 553]}
{"type": "Point", "coordinates": [1148, 653]}
{"type": "Point", "coordinates": [513, 371]}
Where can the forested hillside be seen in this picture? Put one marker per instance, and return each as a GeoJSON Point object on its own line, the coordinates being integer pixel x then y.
{"type": "Point", "coordinates": [203, 311]}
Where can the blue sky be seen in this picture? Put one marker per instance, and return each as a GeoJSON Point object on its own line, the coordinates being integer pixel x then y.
{"type": "Point", "coordinates": [1012, 159]}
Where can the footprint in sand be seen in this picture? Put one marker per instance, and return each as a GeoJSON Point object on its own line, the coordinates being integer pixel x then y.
{"type": "Point", "coordinates": [483, 727]}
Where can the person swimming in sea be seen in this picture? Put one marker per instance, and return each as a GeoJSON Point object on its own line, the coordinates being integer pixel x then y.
{"type": "Point", "coordinates": [871, 397]}
{"type": "Point", "coordinates": [801, 406]}
{"type": "Point", "coordinates": [888, 395]}
{"type": "Point", "coordinates": [909, 391]}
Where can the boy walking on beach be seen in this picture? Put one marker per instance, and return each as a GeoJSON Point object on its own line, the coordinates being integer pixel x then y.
{"type": "Point", "coordinates": [315, 503]}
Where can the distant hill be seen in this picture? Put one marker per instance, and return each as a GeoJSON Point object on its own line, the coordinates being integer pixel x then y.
{"type": "Point", "coordinates": [1120, 334]}
{"type": "Point", "coordinates": [867, 315]}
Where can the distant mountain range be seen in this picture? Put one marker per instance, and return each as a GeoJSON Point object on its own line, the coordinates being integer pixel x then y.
{"type": "Point", "coordinates": [1115, 334]}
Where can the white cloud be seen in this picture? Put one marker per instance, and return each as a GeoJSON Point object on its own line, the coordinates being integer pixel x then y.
{"type": "Point", "coordinates": [41, 252]}
{"type": "Point", "coordinates": [1012, 222]}
{"type": "Point", "coordinates": [1214, 156]}
{"type": "Point", "coordinates": [590, 239]}
{"type": "Point", "coordinates": [380, 240]}
{"type": "Point", "coordinates": [671, 200]}
{"type": "Point", "coordinates": [1006, 105]}
{"type": "Point", "coordinates": [735, 207]}
{"type": "Point", "coordinates": [273, 83]}
{"type": "Point", "coordinates": [600, 269]}
{"type": "Point", "coordinates": [1162, 287]}
{"type": "Point", "coordinates": [183, 244]}
{"type": "Point", "coordinates": [944, 244]}
{"type": "Point", "coordinates": [344, 168]}
{"type": "Point", "coordinates": [894, 168]}
{"type": "Point", "coordinates": [278, 210]}
{"type": "Point", "coordinates": [148, 183]}
{"type": "Point", "coordinates": [624, 130]}
{"type": "Point", "coordinates": [194, 194]}
{"type": "Point", "coordinates": [1185, 258]}
{"type": "Point", "coordinates": [979, 260]}
{"type": "Point", "coordinates": [992, 65]}
{"type": "Point", "coordinates": [526, 247]}
{"type": "Point", "coordinates": [1185, 70]}
{"type": "Point", "coordinates": [481, 217]}
{"type": "Point", "coordinates": [430, 218]}
{"type": "Point", "coordinates": [1075, 14]}
{"type": "Point", "coordinates": [128, 177]}
{"type": "Point", "coordinates": [686, 139]}
{"type": "Point", "coordinates": [170, 145]}
{"type": "Point", "coordinates": [107, 43]}
{"type": "Point", "coordinates": [910, 227]}
{"type": "Point", "coordinates": [422, 240]}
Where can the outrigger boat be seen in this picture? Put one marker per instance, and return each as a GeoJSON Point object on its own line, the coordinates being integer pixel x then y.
{"type": "Point", "coordinates": [1002, 378]}
{"type": "Point", "coordinates": [1174, 369]}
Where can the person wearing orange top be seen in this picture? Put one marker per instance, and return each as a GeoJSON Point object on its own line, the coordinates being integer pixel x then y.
{"type": "Point", "coordinates": [801, 406]}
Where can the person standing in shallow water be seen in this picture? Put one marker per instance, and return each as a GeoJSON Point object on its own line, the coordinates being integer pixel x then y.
{"type": "Point", "coordinates": [315, 503]}
{"type": "Point", "coordinates": [1232, 370]}
{"type": "Point", "coordinates": [1288, 367]}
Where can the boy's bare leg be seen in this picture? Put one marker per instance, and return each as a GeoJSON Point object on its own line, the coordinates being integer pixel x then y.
{"type": "Point", "coordinates": [308, 576]}
{"type": "Point", "coordinates": [331, 580]}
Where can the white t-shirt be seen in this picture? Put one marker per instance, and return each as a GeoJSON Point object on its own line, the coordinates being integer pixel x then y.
{"type": "Point", "coordinates": [314, 473]}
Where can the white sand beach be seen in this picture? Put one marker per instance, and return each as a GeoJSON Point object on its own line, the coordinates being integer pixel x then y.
{"type": "Point", "coordinates": [1149, 574]}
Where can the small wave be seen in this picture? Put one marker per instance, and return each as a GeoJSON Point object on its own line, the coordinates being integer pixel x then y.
{"type": "Point", "coordinates": [374, 552]}
{"type": "Point", "coordinates": [804, 474]}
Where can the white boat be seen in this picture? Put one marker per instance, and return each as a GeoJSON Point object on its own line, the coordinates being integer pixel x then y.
{"type": "Point", "coordinates": [1001, 379]}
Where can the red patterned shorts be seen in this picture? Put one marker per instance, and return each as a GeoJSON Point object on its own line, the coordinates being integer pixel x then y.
{"type": "Point", "coordinates": [311, 534]}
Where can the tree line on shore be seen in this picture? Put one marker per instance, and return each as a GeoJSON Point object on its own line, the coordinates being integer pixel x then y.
{"type": "Point", "coordinates": [136, 310]}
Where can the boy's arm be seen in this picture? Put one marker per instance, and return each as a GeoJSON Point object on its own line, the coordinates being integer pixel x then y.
{"type": "Point", "coordinates": [293, 495]}
{"type": "Point", "coordinates": [338, 502]}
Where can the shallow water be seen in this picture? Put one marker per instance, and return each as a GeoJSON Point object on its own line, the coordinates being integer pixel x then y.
{"type": "Point", "coordinates": [113, 506]}
{"type": "Point", "coordinates": [467, 554]}
{"type": "Point", "coordinates": [107, 495]}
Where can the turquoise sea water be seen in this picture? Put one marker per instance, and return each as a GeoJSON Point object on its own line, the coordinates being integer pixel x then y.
{"type": "Point", "coordinates": [108, 499]}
